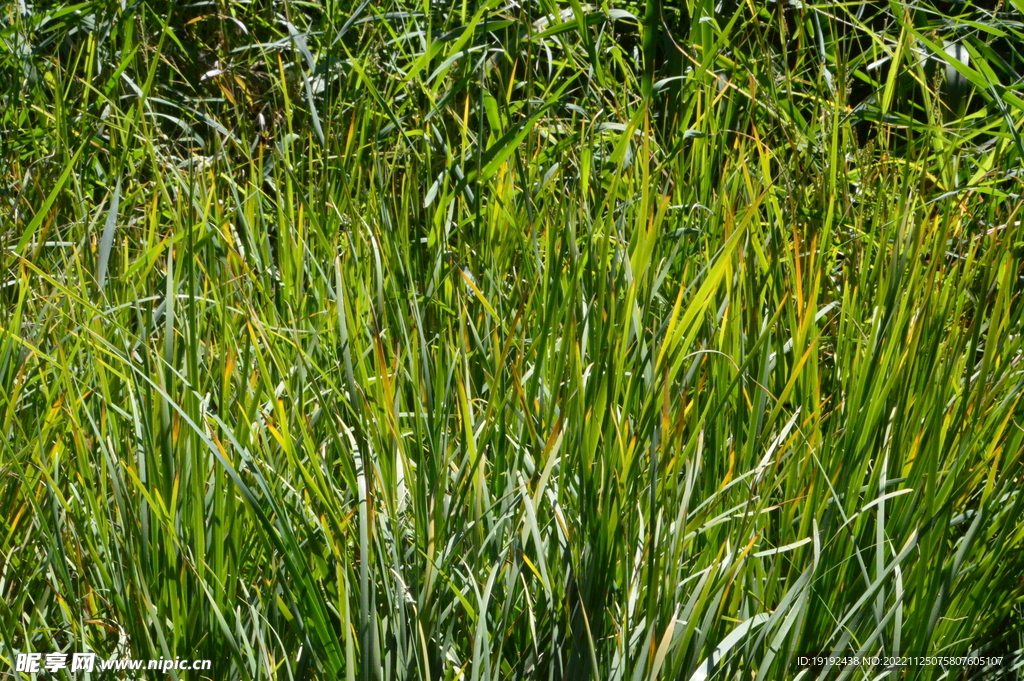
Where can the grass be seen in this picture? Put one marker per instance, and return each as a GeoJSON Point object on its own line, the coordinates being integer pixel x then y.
{"type": "Point", "coordinates": [512, 341]}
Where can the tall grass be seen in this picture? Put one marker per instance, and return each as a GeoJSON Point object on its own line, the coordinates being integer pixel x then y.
{"type": "Point", "coordinates": [486, 340]}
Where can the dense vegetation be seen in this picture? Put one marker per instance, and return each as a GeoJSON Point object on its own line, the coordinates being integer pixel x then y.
{"type": "Point", "coordinates": [512, 340]}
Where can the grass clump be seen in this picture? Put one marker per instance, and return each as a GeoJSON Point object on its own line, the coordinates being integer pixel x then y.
{"type": "Point", "coordinates": [500, 340]}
